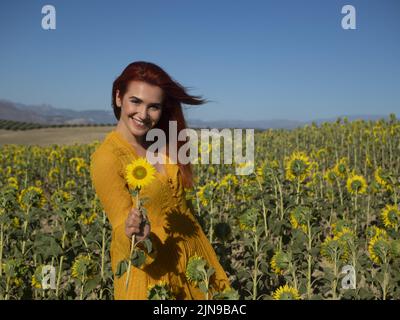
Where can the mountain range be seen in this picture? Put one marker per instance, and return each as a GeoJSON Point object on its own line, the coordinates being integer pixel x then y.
{"type": "Point", "coordinates": [47, 114]}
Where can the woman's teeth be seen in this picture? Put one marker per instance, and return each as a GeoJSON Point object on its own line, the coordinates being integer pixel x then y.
{"type": "Point", "coordinates": [138, 122]}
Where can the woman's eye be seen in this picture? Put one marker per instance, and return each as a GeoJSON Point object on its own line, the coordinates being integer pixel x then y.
{"type": "Point", "coordinates": [156, 107]}
{"type": "Point", "coordinates": [135, 101]}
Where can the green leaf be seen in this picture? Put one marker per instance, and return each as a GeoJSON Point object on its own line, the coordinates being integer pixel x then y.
{"type": "Point", "coordinates": [91, 284]}
{"type": "Point", "coordinates": [315, 252]}
{"type": "Point", "coordinates": [138, 259]}
{"type": "Point", "coordinates": [121, 268]}
{"type": "Point", "coordinates": [203, 288]}
{"type": "Point", "coordinates": [210, 272]}
{"type": "Point", "coordinates": [148, 244]}
{"type": "Point", "coordinates": [70, 226]}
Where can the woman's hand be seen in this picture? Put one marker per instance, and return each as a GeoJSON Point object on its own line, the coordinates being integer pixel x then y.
{"type": "Point", "coordinates": [135, 224]}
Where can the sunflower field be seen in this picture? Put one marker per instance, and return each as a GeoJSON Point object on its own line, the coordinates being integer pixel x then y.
{"type": "Point", "coordinates": [318, 219]}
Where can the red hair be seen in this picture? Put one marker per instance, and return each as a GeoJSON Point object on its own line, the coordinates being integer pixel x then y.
{"type": "Point", "coordinates": [174, 95]}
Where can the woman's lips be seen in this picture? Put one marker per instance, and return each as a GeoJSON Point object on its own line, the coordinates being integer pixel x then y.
{"type": "Point", "coordinates": [137, 123]}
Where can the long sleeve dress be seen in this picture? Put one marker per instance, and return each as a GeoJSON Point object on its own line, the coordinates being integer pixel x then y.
{"type": "Point", "coordinates": [175, 234]}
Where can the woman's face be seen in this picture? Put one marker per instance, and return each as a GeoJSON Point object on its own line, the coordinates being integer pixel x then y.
{"type": "Point", "coordinates": [141, 107]}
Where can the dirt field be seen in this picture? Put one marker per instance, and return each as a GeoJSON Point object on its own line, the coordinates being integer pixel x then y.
{"type": "Point", "coordinates": [49, 136]}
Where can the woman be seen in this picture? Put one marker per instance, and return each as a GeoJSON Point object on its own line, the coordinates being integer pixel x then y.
{"type": "Point", "coordinates": [144, 97]}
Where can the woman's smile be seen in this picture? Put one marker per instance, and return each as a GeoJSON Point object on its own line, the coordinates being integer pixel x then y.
{"type": "Point", "coordinates": [140, 124]}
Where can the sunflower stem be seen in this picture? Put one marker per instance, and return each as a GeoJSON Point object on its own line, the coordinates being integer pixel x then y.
{"type": "Point", "coordinates": [335, 273]}
{"type": "Point", "coordinates": [1, 249]}
{"type": "Point", "coordinates": [133, 243]}
{"type": "Point", "coordinates": [309, 260]}
{"type": "Point", "coordinates": [264, 210]}
{"type": "Point", "coordinates": [103, 249]}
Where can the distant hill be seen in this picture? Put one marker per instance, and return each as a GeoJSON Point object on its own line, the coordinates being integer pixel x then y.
{"type": "Point", "coordinates": [48, 115]}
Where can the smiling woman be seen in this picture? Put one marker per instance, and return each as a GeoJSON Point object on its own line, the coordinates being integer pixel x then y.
{"type": "Point", "coordinates": [145, 97]}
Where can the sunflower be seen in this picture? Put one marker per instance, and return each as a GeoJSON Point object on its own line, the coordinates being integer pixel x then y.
{"type": "Point", "coordinates": [340, 226]}
{"type": "Point", "coordinates": [54, 155]}
{"type": "Point", "coordinates": [341, 168]}
{"type": "Point", "coordinates": [83, 268]}
{"type": "Point", "coordinates": [298, 166]}
{"type": "Point", "coordinates": [280, 262]}
{"type": "Point", "coordinates": [298, 218]}
{"type": "Point", "coordinates": [379, 249]}
{"type": "Point", "coordinates": [59, 198]}
{"type": "Point", "coordinates": [248, 220]}
{"type": "Point", "coordinates": [335, 248]}
{"type": "Point", "coordinates": [211, 170]}
{"type": "Point", "coordinates": [13, 182]}
{"type": "Point", "coordinates": [195, 269]}
{"type": "Point", "coordinates": [53, 174]}
{"type": "Point", "coordinates": [356, 184]}
{"type": "Point", "coordinates": [322, 153]}
{"type": "Point", "coordinates": [36, 280]}
{"type": "Point", "coordinates": [206, 192]}
{"type": "Point", "coordinates": [159, 291]}
{"type": "Point", "coordinates": [70, 184]}
{"type": "Point", "coordinates": [286, 293]}
{"type": "Point", "coordinates": [36, 283]}
{"type": "Point", "coordinates": [87, 220]}
{"type": "Point", "coordinates": [32, 196]}
{"type": "Point", "coordinates": [228, 182]}
{"type": "Point", "coordinates": [81, 168]}
{"type": "Point", "coordinates": [245, 168]}
{"type": "Point", "coordinates": [382, 179]}
{"type": "Point", "coordinates": [274, 164]}
{"type": "Point", "coordinates": [391, 216]}
{"type": "Point", "coordinates": [374, 231]}
{"type": "Point", "coordinates": [15, 222]}
{"type": "Point", "coordinates": [139, 173]}
{"type": "Point", "coordinates": [77, 161]}
{"type": "Point", "coordinates": [346, 235]}
{"type": "Point", "coordinates": [260, 171]}
{"type": "Point", "coordinates": [330, 176]}
{"type": "Point", "coordinates": [395, 248]}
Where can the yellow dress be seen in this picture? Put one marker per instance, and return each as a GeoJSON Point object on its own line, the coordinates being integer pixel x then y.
{"type": "Point", "coordinates": [176, 234]}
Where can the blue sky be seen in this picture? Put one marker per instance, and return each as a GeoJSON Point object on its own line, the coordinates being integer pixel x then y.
{"type": "Point", "coordinates": [255, 59]}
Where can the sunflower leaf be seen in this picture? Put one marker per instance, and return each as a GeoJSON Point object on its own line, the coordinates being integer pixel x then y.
{"type": "Point", "coordinates": [210, 272]}
{"type": "Point", "coordinates": [138, 258]}
{"type": "Point", "coordinates": [121, 268]}
{"type": "Point", "coordinates": [203, 287]}
{"type": "Point", "coordinates": [148, 244]}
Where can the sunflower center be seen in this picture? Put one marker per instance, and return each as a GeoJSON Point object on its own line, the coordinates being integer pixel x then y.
{"type": "Point", "coordinates": [356, 185]}
{"type": "Point", "coordinates": [139, 172]}
{"type": "Point", "coordinates": [287, 296]}
{"type": "Point", "coordinates": [298, 167]}
{"type": "Point", "coordinates": [393, 215]}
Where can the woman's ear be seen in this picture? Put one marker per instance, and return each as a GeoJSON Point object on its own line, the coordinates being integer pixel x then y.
{"type": "Point", "coordinates": [117, 99]}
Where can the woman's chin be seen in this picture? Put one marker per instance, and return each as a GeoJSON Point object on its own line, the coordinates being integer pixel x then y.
{"type": "Point", "coordinates": [138, 131]}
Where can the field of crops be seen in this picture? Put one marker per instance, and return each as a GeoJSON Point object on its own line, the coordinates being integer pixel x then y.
{"type": "Point", "coordinates": [322, 198]}
{"type": "Point", "coordinates": [19, 125]}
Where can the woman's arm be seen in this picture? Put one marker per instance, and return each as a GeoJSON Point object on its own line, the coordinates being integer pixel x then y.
{"type": "Point", "coordinates": [110, 186]}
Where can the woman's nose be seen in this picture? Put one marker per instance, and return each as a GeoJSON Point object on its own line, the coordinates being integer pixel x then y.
{"type": "Point", "coordinates": [142, 112]}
